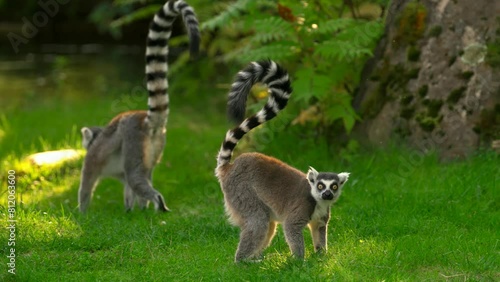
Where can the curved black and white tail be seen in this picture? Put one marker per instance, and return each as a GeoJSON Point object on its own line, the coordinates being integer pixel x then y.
{"type": "Point", "coordinates": [279, 89]}
{"type": "Point", "coordinates": [159, 33]}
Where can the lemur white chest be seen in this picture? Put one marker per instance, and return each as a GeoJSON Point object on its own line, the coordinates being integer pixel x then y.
{"type": "Point", "coordinates": [320, 211]}
{"type": "Point", "coordinates": [114, 166]}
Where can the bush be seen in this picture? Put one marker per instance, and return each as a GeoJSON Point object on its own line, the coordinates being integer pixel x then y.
{"type": "Point", "coordinates": [323, 44]}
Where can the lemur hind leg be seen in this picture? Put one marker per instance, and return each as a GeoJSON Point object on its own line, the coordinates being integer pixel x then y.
{"type": "Point", "coordinates": [137, 174]}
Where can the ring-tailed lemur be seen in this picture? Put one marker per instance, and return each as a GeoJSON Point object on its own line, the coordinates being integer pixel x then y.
{"type": "Point", "coordinates": [129, 147]}
{"type": "Point", "coordinates": [261, 191]}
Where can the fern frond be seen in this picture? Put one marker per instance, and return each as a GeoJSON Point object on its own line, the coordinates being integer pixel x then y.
{"type": "Point", "coordinates": [309, 84]}
{"type": "Point", "coordinates": [272, 29]}
{"type": "Point", "coordinates": [142, 13]}
{"type": "Point", "coordinates": [362, 34]}
{"type": "Point", "coordinates": [225, 47]}
{"type": "Point", "coordinates": [235, 53]}
{"type": "Point", "coordinates": [233, 11]}
{"type": "Point", "coordinates": [340, 108]}
{"type": "Point", "coordinates": [272, 24]}
{"type": "Point", "coordinates": [127, 2]}
{"type": "Point", "coordinates": [277, 51]}
{"type": "Point", "coordinates": [341, 50]}
{"type": "Point", "coordinates": [332, 26]}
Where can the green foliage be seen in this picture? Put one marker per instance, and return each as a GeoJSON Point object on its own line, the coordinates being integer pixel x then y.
{"type": "Point", "coordinates": [323, 44]}
{"type": "Point", "coordinates": [231, 11]}
{"type": "Point", "coordinates": [413, 53]}
{"type": "Point", "coordinates": [332, 26]}
{"type": "Point", "coordinates": [410, 24]}
{"type": "Point", "coordinates": [271, 29]}
{"type": "Point", "coordinates": [422, 91]}
{"type": "Point", "coordinates": [435, 31]}
{"type": "Point", "coordinates": [139, 14]}
{"type": "Point", "coordinates": [493, 45]}
{"type": "Point", "coordinates": [323, 52]}
{"type": "Point", "coordinates": [104, 14]}
{"type": "Point", "coordinates": [456, 94]}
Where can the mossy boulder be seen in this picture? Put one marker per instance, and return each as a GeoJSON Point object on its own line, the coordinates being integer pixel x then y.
{"type": "Point", "coordinates": [434, 77]}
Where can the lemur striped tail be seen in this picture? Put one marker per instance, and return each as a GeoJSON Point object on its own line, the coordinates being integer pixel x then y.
{"type": "Point", "coordinates": [159, 33]}
{"type": "Point", "coordinates": [279, 89]}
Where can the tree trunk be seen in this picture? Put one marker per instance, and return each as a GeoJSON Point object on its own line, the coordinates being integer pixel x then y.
{"type": "Point", "coordinates": [435, 77]}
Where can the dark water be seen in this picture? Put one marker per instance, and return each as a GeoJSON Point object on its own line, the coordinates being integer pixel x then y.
{"type": "Point", "coordinates": [66, 72]}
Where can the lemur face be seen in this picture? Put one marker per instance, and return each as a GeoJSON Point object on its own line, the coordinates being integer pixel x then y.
{"type": "Point", "coordinates": [326, 186]}
{"type": "Point", "coordinates": [328, 189]}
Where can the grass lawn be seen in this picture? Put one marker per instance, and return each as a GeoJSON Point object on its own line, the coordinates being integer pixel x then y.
{"type": "Point", "coordinates": [403, 215]}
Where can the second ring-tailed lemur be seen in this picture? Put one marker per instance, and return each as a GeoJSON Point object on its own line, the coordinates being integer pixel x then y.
{"type": "Point", "coordinates": [129, 147]}
{"type": "Point", "coordinates": [261, 191]}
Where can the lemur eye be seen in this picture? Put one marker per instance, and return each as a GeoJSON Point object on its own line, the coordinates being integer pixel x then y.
{"type": "Point", "coordinates": [334, 187]}
{"type": "Point", "coordinates": [321, 186]}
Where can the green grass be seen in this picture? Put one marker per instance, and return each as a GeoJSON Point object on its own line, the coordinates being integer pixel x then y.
{"type": "Point", "coordinates": [403, 216]}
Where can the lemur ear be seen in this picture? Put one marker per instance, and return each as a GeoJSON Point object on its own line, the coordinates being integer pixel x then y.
{"type": "Point", "coordinates": [343, 177]}
{"type": "Point", "coordinates": [86, 133]}
{"type": "Point", "coordinates": [312, 174]}
{"type": "Point", "coordinates": [87, 136]}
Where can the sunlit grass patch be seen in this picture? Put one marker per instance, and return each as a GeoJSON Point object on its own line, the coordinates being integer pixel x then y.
{"type": "Point", "coordinates": [52, 158]}
{"type": "Point", "coordinates": [38, 182]}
